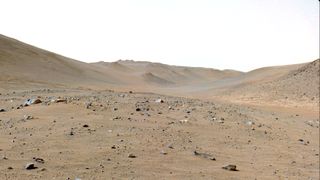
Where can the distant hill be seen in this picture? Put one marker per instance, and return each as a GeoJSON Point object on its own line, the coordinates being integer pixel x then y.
{"type": "Point", "coordinates": [26, 63]}
{"type": "Point", "coordinates": [290, 85]}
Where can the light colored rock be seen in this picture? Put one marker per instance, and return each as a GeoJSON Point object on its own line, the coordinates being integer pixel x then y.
{"type": "Point", "coordinates": [28, 102]}
{"type": "Point", "coordinates": [159, 101]}
{"type": "Point", "coordinates": [183, 121]}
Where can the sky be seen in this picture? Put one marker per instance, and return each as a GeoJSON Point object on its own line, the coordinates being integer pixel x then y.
{"type": "Point", "coordinates": [222, 34]}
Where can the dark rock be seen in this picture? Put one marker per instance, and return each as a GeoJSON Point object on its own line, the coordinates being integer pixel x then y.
{"type": "Point", "coordinates": [70, 133]}
{"type": "Point", "coordinates": [9, 167]}
{"type": "Point", "coordinates": [29, 166]}
{"type": "Point", "coordinates": [39, 160]}
{"type": "Point", "coordinates": [131, 155]}
{"type": "Point", "coordinates": [86, 125]}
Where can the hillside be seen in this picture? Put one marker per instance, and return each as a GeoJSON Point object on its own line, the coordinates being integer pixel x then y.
{"type": "Point", "coordinates": [297, 88]}
{"type": "Point", "coordinates": [21, 62]}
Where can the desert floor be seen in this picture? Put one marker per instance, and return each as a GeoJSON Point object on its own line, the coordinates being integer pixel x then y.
{"type": "Point", "coordinates": [282, 143]}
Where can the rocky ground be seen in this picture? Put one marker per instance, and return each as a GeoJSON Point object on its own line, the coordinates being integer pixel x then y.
{"type": "Point", "coordinates": [87, 134]}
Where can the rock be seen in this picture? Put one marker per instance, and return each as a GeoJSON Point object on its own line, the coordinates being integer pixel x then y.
{"type": "Point", "coordinates": [39, 160]}
{"type": "Point", "coordinates": [29, 166]}
{"type": "Point", "coordinates": [26, 117]}
{"type": "Point", "coordinates": [31, 101]}
{"type": "Point", "coordinates": [170, 146]}
{"type": "Point", "coordinates": [220, 121]}
{"type": "Point", "coordinates": [162, 152]}
{"type": "Point", "coordinates": [58, 100]}
{"type": "Point", "coordinates": [249, 122]}
{"type": "Point", "coordinates": [230, 167]}
{"type": "Point", "coordinates": [70, 133]}
{"type": "Point", "coordinates": [303, 143]}
{"type": "Point", "coordinates": [203, 155]}
{"type": "Point", "coordinates": [85, 125]}
{"type": "Point", "coordinates": [9, 167]}
{"type": "Point", "coordinates": [159, 101]}
{"type": "Point", "coordinates": [2, 110]}
{"type": "Point", "coordinates": [138, 109]}
{"type": "Point", "coordinates": [4, 157]}
{"type": "Point", "coordinates": [42, 169]}
{"type": "Point", "coordinates": [131, 155]}
{"type": "Point", "coordinates": [184, 121]}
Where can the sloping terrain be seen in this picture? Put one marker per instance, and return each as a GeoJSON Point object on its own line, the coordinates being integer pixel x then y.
{"type": "Point", "coordinates": [26, 63]}
{"type": "Point", "coordinates": [298, 88]}
{"type": "Point", "coordinates": [20, 62]}
{"type": "Point", "coordinates": [224, 86]}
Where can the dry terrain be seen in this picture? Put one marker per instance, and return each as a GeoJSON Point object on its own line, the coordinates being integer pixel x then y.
{"type": "Point", "coordinates": [142, 120]}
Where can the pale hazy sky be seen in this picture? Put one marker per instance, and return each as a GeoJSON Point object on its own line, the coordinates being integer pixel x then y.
{"type": "Point", "coordinates": [222, 34]}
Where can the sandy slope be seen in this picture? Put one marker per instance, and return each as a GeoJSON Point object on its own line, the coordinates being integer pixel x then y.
{"type": "Point", "coordinates": [298, 88]}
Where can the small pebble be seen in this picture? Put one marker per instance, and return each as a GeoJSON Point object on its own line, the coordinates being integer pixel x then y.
{"type": "Point", "coordinates": [131, 155]}
{"type": "Point", "coordinates": [230, 167]}
{"type": "Point", "coordinates": [29, 166]}
{"type": "Point", "coordinates": [162, 152]}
